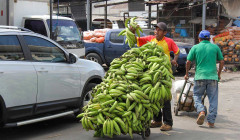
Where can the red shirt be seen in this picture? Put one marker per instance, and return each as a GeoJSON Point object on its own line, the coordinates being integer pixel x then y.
{"type": "Point", "coordinates": [167, 43]}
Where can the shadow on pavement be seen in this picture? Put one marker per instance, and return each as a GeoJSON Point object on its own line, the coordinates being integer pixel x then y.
{"type": "Point", "coordinates": [43, 129]}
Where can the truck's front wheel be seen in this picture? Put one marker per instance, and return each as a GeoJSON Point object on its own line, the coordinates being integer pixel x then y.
{"type": "Point", "coordinates": [94, 57]}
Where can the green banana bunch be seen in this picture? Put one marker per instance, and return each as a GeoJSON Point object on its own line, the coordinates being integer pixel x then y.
{"type": "Point", "coordinates": [132, 92]}
{"type": "Point", "coordinates": [130, 37]}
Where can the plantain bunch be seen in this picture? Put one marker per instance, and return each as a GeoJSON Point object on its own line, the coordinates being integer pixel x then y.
{"type": "Point", "coordinates": [130, 37]}
{"type": "Point", "coordinates": [133, 90]}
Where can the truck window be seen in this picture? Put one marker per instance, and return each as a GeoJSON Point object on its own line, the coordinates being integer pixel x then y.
{"type": "Point", "coordinates": [10, 48]}
{"type": "Point", "coordinates": [114, 38]}
{"type": "Point", "coordinates": [65, 30]}
{"type": "Point", "coordinates": [36, 26]}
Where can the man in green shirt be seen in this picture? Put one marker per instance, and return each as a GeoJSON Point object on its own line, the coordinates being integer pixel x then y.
{"type": "Point", "coordinates": [205, 55]}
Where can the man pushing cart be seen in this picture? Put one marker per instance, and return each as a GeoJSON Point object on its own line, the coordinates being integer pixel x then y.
{"type": "Point", "coordinates": [205, 55]}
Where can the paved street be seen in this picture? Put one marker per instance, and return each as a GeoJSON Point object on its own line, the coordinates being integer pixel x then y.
{"type": "Point", "coordinates": [185, 127]}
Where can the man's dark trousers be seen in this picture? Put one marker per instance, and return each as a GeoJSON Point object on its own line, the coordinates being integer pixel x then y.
{"type": "Point", "coordinates": [166, 113]}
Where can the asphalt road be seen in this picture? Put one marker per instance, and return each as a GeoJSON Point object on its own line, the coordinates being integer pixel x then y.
{"type": "Point", "coordinates": [184, 128]}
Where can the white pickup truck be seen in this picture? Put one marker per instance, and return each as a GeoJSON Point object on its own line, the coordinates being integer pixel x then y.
{"type": "Point", "coordinates": [35, 15]}
{"type": "Point", "coordinates": [65, 31]}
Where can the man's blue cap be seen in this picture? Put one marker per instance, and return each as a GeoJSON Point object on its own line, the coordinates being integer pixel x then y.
{"type": "Point", "coordinates": [204, 34]}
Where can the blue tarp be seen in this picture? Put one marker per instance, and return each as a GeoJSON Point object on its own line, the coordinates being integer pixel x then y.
{"type": "Point", "coordinates": [178, 30]}
{"type": "Point", "coordinates": [237, 22]}
{"type": "Point", "coordinates": [182, 32]}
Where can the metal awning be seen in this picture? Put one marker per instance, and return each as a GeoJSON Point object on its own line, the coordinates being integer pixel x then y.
{"type": "Point", "coordinates": [93, 1]}
{"type": "Point", "coordinates": [154, 2]}
{"type": "Point", "coordinates": [160, 2]}
{"type": "Point", "coordinates": [209, 22]}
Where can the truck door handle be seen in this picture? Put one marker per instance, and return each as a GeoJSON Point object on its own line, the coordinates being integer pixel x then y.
{"type": "Point", "coordinates": [109, 46]}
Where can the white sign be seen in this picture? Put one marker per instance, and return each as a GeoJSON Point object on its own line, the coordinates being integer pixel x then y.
{"type": "Point", "coordinates": [182, 22]}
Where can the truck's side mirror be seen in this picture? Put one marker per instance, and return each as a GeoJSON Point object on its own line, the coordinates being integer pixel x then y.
{"type": "Point", "coordinates": [72, 58]}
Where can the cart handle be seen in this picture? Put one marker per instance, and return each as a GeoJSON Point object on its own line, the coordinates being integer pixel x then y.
{"type": "Point", "coordinates": [179, 99]}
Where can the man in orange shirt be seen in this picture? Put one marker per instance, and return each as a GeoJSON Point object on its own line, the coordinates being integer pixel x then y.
{"type": "Point", "coordinates": [159, 37]}
{"type": "Point", "coordinates": [168, 46]}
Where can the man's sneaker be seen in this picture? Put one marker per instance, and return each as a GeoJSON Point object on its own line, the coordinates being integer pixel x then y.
{"type": "Point", "coordinates": [166, 127]}
{"type": "Point", "coordinates": [155, 124]}
{"type": "Point", "coordinates": [201, 117]}
{"type": "Point", "coordinates": [210, 125]}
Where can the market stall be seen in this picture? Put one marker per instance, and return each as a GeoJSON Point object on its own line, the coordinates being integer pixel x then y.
{"type": "Point", "coordinates": [229, 42]}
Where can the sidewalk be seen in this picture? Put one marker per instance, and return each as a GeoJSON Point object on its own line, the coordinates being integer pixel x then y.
{"type": "Point", "coordinates": [228, 76]}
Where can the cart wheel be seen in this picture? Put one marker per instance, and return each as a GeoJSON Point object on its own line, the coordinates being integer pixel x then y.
{"type": "Point", "coordinates": [147, 132]}
{"type": "Point", "coordinates": [143, 135]}
{"type": "Point", "coordinates": [176, 110]}
{"type": "Point", "coordinates": [205, 108]}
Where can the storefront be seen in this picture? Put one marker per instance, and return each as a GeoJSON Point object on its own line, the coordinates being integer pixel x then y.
{"type": "Point", "coordinates": [184, 18]}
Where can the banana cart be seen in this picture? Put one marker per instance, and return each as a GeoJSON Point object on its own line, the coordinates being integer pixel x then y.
{"type": "Point", "coordinates": [146, 132]}
{"type": "Point", "coordinates": [185, 100]}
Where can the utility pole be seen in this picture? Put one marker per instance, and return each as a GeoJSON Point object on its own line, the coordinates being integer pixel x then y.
{"type": "Point", "coordinates": [90, 23]}
{"type": "Point", "coordinates": [51, 19]}
{"type": "Point", "coordinates": [149, 15]}
{"type": "Point", "coordinates": [88, 14]}
{"type": "Point", "coordinates": [204, 15]}
{"type": "Point", "coordinates": [218, 19]}
{"type": "Point", "coordinates": [105, 16]}
{"type": "Point", "coordinates": [157, 13]}
{"type": "Point", "coordinates": [8, 7]}
{"type": "Point", "coordinates": [58, 8]}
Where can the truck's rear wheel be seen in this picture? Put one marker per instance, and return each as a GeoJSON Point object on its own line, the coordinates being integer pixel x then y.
{"type": "Point", "coordinates": [94, 57]}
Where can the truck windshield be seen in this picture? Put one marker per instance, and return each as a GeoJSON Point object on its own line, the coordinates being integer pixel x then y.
{"type": "Point", "coordinates": [65, 30]}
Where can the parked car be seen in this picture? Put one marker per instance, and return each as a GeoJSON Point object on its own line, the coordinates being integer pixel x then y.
{"type": "Point", "coordinates": [184, 50]}
{"type": "Point", "coordinates": [40, 80]}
